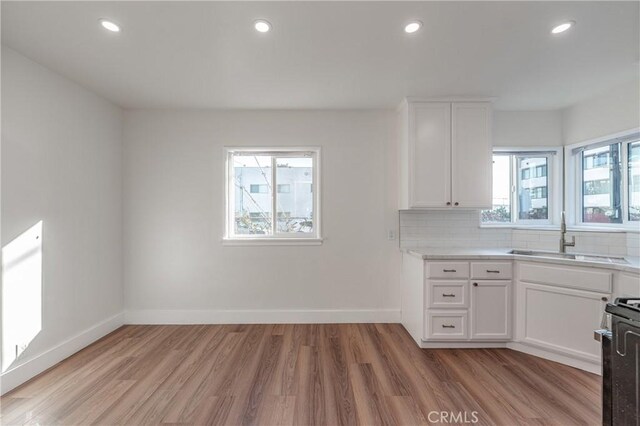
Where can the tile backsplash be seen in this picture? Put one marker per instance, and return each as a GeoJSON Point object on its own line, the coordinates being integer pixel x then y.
{"type": "Point", "coordinates": [613, 243]}
{"type": "Point", "coordinates": [633, 244]}
{"type": "Point", "coordinates": [450, 229]}
{"type": "Point", "coordinates": [460, 229]}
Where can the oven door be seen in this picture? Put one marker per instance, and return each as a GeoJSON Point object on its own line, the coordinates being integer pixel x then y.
{"type": "Point", "coordinates": [625, 383]}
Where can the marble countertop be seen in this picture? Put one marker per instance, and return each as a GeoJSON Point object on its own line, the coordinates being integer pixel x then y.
{"type": "Point", "coordinates": [632, 265]}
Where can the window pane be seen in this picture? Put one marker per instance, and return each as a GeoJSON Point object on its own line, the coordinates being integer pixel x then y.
{"type": "Point", "coordinates": [634, 181]}
{"type": "Point", "coordinates": [253, 189]}
{"type": "Point", "coordinates": [601, 183]}
{"type": "Point", "coordinates": [284, 188]}
{"type": "Point", "coordinates": [533, 201]}
{"type": "Point", "coordinates": [294, 200]}
{"type": "Point", "coordinates": [501, 209]}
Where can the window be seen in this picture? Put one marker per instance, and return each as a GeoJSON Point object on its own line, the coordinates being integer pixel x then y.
{"type": "Point", "coordinates": [255, 211]}
{"type": "Point", "coordinates": [607, 181]}
{"type": "Point", "coordinates": [532, 190]}
{"type": "Point", "coordinates": [521, 188]}
{"type": "Point", "coordinates": [596, 160]}
{"type": "Point", "coordinates": [633, 175]}
{"type": "Point", "coordinates": [259, 189]}
{"type": "Point", "coordinates": [596, 187]}
{"type": "Point", "coordinates": [601, 175]}
{"type": "Point", "coordinates": [539, 193]}
{"type": "Point", "coordinates": [501, 208]}
{"type": "Point", "coordinates": [284, 188]}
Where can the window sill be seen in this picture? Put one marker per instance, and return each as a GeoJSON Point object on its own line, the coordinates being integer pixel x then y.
{"type": "Point", "coordinates": [569, 228]}
{"type": "Point", "coordinates": [616, 229]}
{"type": "Point", "coordinates": [272, 241]}
{"type": "Point", "coordinates": [514, 226]}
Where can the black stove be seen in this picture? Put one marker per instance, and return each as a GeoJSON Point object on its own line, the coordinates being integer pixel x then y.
{"type": "Point", "coordinates": [620, 364]}
{"type": "Point", "coordinates": [625, 307]}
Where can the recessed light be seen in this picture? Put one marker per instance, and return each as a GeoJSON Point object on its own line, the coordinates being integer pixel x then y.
{"type": "Point", "coordinates": [412, 27]}
{"type": "Point", "coordinates": [110, 25]}
{"type": "Point", "coordinates": [262, 26]}
{"type": "Point", "coordinates": [563, 27]}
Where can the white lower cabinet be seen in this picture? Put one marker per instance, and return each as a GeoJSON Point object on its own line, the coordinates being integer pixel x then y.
{"type": "Point", "coordinates": [550, 309]}
{"type": "Point", "coordinates": [558, 307]}
{"type": "Point", "coordinates": [491, 310]}
{"type": "Point", "coordinates": [560, 319]}
{"type": "Point", "coordinates": [460, 308]}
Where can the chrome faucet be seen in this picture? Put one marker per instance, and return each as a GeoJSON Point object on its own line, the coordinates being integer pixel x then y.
{"type": "Point", "coordinates": [563, 233]}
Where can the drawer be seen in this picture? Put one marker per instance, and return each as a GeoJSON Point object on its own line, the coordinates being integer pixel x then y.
{"type": "Point", "coordinates": [447, 294]}
{"type": "Point", "coordinates": [445, 325]}
{"type": "Point", "coordinates": [566, 276]}
{"type": "Point", "coordinates": [491, 270]}
{"type": "Point", "coordinates": [448, 269]}
{"type": "Point", "coordinates": [628, 285]}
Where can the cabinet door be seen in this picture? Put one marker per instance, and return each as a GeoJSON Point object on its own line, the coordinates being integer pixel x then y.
{"type": "Point", "coordinates": [560, 319]}
{"type": "Point", "coordinates": [491, 310]}
{"type": "Point", "coordinates": [471, 157]}
{"type": "Point", "coordinates": [429, 154]}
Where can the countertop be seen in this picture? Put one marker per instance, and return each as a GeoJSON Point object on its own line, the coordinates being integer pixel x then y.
{"type": "Point", "coordinates": [633, 264]}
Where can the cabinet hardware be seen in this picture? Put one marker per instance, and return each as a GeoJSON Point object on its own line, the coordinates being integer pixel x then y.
{"type": "Point", "coordinates": [448, 295]}
{"type": "Point", "coordinates": [448, 203]}
{"type": "Point", "coordinates": [448, 270]}
{"type": "Point", "coordinates": [475, 284]}
{"type": "Point", "coordinates": [605, 299]}
{"type": "Point", "coordinates": [456, 203]}
{"type": "Point", "coordinates": [448, 326]}
{"type": "Point", "coordinates": [491, 271]}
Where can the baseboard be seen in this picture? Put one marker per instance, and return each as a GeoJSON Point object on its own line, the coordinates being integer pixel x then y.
{"type": "Point", "coordinates": [310, 316]}
{"type": "Point", "coordinates": [461, 345]}
{"type": "Point", "coordinates": [31, 368]}
{"type": "Point", "coordinates": [591, 367]}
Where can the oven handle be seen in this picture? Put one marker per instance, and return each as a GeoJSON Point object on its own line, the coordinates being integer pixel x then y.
{"type": "Point", "coordinates": [602, 333]}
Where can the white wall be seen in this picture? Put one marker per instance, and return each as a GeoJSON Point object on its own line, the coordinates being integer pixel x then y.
{"type": "Point", "coordinates": [61, 163]}
{"type": "Point", "coordinates": [616, 110]}
{"type": "Point", "coordinates": [177, 269]}
{"type": "Point", "coordinates": [527, 128]}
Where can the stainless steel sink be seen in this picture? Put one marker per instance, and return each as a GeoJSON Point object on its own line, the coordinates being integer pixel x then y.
{"type": "Point", "coordinates": [572, 256]}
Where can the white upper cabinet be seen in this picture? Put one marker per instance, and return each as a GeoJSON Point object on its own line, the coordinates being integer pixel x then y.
{"type": "Point", "coordinates": [430, 154]}
{"type": "Point", "coordinates": [445, 155]}
{"type": "Point", "coordinates": [471, 154]}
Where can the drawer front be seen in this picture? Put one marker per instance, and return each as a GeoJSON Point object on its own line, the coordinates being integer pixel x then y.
{"type": "Point", "coordinates": [448, 269]}
{"type": "Point", "coordinates": [491, 270]}
{"type": "Point", "coordinates": [566, 276]}
{"type": "Point", "coordinates": [446, 325]}
{"type": "Point", "coordinates": [628, 285]}
{"type": "Point", "coordinates": [447, 294]}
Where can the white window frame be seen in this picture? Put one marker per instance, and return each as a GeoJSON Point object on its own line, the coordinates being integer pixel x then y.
{"type": "Point", "coordinates": [277, 238]}
{"type": "Point", "coordinates": [575, 188]}
{"type": "Point", "coordinates": [554, 187]}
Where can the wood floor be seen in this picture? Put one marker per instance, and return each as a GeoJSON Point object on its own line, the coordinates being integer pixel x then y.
{"type": "Point", "coordinates": [343, 374]}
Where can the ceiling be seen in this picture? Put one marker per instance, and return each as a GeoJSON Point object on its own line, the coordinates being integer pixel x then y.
{"type": "Point", "coordinates": [330, 54]}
